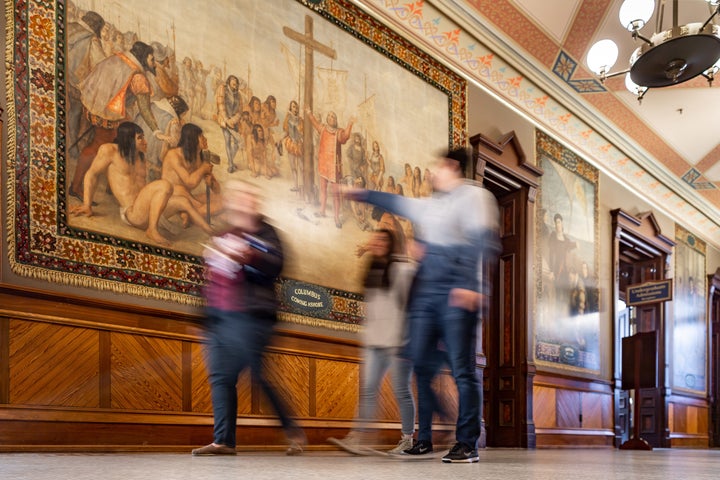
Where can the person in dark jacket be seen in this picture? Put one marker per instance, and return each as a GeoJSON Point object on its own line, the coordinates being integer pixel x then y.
{"type": "Point", "coordinates": [242, 266]}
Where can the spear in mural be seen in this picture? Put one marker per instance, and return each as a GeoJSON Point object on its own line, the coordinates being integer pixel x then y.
{"type": "Point", "coordinates": [248, 79]}
{"type": "Point", "coordinates": [207, 200]}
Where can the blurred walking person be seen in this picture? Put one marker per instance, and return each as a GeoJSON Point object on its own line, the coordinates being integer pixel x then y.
{"type": "Point", "coordinates": [243, 264]}
{"type": "Point", "coordinates": [458, 227]}
{"type": "Point", "coordinates": [384, 337]}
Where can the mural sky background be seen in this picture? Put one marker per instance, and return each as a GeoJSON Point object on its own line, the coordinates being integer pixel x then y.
{"type": "Point", "coordinates": [412, 116]}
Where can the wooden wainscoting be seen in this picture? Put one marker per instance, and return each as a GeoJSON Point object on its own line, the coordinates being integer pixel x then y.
{"type": "Point", "coordinates": [688, 420]}
{"type": "Point", "coordinates": [572, 412]}
{"type": "Point", "coordinates": [83, 375]}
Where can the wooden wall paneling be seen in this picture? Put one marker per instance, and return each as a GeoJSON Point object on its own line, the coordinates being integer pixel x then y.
{"type": "Point", "coordinates": [312, 386]}
{"type": "Point", "coordinates": [4, 360]}
{"type": "Point", "coordinates": [81, 311]}
{"type": "Point", "coordinates": [199, 383]}
{"type": "Point", "coordinates": [608, 417]}
{"type": "Point", "coordinates": [447, 395]}
{"type": "Point", "coordinates": [387, 408]}
{"type": "Point", "coordinates": [146, 373]}
{"type": "Point", "coordinates": [703, 422]}
{"type": "Point", "coordinates": [591, 411]}
{"type": "Point", "coordinates": [544, 401]}
{"type": "Point", "coordinates": [53, 365]}
{"type": "Point", "coordinates": [568, 409]}
{"type": "Point", "coordinates": [573, 412]}
{"type": "Point", "coordinates": [679, 419]}
{"type": "Point", "coordinates": [692, 417]}
{"type": "Point", "coordinates": [289, 375]}
{"type": "Point", "coordinates": [186, 372]}
{"type": "Point", "coordinates": [149, 389]}
{"type": "Point", "coordinates": [337, 389]}
{"type": "Point", "coordinates": [689, 422]}
{"type": "Point", "coordinates": [104, 360]}
{"type": "Point", "coordinates": [247, 397]}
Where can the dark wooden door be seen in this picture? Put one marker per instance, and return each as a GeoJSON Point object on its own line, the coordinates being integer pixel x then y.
{"type": "Point", "coordinates": [651, 402]}
{"type": "Point", "coordinates": [714, 362]}
{"type": "Point", "coordinates": [623, 414]}
{"type": "Point", "coordinates": [507, 399]}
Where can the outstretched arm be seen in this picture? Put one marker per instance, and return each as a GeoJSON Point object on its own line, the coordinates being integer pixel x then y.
{"type": "Point", "coordinates": [410, 208]}
{"type": "Point", "coordinates": [313, 120]}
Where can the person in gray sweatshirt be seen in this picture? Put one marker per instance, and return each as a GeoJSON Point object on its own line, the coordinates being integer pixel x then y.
{"type": "Point", "coordinates": [384, 336]}
{"type": "Point", "coordinates": [459, 229]}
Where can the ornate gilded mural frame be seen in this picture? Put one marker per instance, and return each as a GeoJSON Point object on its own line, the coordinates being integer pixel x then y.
{"type": "Point", "coordinates": [44, 245]}
{"type": "Point", "coordinates": [567, 332]}
{"type": "Point", "coordinates": [689, 328]}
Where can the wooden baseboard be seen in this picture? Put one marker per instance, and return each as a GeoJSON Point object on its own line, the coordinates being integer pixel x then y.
{"type": "Point", "coordinates": [573, 438]}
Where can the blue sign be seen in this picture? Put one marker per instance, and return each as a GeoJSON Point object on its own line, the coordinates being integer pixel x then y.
{"type": "Point", "coordinates": [649, 292]}
{"type": "Point", "coordinates": [306, 298]}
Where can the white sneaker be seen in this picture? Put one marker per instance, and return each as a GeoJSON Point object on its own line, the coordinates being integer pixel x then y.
{"type": "Point", "coordinates": [405, 443]}
{"type": "Point", "coordinates": [355, 439]}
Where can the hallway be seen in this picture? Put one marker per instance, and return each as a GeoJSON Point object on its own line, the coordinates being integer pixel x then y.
{"type": "Point", "coordinates": [494, 464]}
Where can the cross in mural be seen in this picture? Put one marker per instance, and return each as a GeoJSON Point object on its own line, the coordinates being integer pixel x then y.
{"type": "Point", "coordinates": [311, 45]}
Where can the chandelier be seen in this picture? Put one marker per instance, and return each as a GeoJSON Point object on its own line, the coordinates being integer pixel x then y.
{"type": "Point", "coordinates": [667, 57]}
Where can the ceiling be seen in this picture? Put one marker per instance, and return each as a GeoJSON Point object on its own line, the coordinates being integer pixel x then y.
{"type": "Point", "coordinates": [673, 129]}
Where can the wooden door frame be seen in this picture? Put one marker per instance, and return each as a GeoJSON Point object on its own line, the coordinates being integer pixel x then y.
{"type": "Point", "coordinates": [636, 238]}
{"type": "Point", "coordinates": [502, 168]}
{"type": "Point", "coordinates": [714, 364]}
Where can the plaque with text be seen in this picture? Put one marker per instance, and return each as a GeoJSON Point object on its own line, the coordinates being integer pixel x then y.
{"type": "Point", "coordinates": [649, 292]}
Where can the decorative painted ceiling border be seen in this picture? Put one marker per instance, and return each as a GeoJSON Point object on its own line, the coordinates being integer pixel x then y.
{"type": "Point", "coordinates": [565, 67]}
{"type": "Point", "coordinates": [434, 30]}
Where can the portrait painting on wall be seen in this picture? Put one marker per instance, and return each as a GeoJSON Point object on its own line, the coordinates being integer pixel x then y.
{"type": "Point", "coordinates": [567, 330]}
{"type": "Point", "coordinates": [160, 103]}
{"type": "Point", "coordinates": [689, 326]}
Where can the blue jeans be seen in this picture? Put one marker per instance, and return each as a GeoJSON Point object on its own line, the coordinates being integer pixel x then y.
{"type": "Point", "coordinates": [376, 362]}
{"type": "Point", "coordinates": [236, 341]}
{"type": "Point", "coordinates": [432, 322]}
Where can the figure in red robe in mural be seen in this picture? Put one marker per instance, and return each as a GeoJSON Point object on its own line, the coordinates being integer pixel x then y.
{"type": "Point", "coordinates": [330, 160]}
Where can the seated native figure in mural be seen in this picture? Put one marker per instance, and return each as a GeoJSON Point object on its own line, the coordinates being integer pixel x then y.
{"type": "Point", "coordinates": [185, 169]}
{"type": "Point", "coordinates": [141, 204]}
{"type": "Point", "coordinates": [110, 94]}
{"type": "Point", "coordinates": [171, 113]}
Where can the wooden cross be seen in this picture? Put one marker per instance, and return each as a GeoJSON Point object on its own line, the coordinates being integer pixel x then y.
{"type": "Point", "coordinates": [311, 45]}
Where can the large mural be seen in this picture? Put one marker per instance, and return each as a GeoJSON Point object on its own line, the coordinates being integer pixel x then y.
{"type": "Point", "coordinates": [567, 331]}
{"type": "Point", "coordinates": [689, 326]}
{"type": "Point", "coordinates": [243, 89]}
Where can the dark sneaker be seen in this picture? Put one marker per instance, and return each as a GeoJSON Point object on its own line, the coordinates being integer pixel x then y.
{"type": "Point", "coordinates": [461, 453]}
{"type": "Point", "coordinates": [421, 447]}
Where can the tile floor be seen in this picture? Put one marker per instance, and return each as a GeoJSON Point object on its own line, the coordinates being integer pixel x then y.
{"type": "Point", "coordinates": [509, 464]}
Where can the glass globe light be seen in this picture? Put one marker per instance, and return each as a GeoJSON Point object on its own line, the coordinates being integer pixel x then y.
{"type": "Point", "coordinates": [716, 65]}
{"type": "Point", "coordinates": [602, 56]}
{"type": "Point", "coordinates": [634, 14]}
{"type": "Point", "coordinates": [633, 87]}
